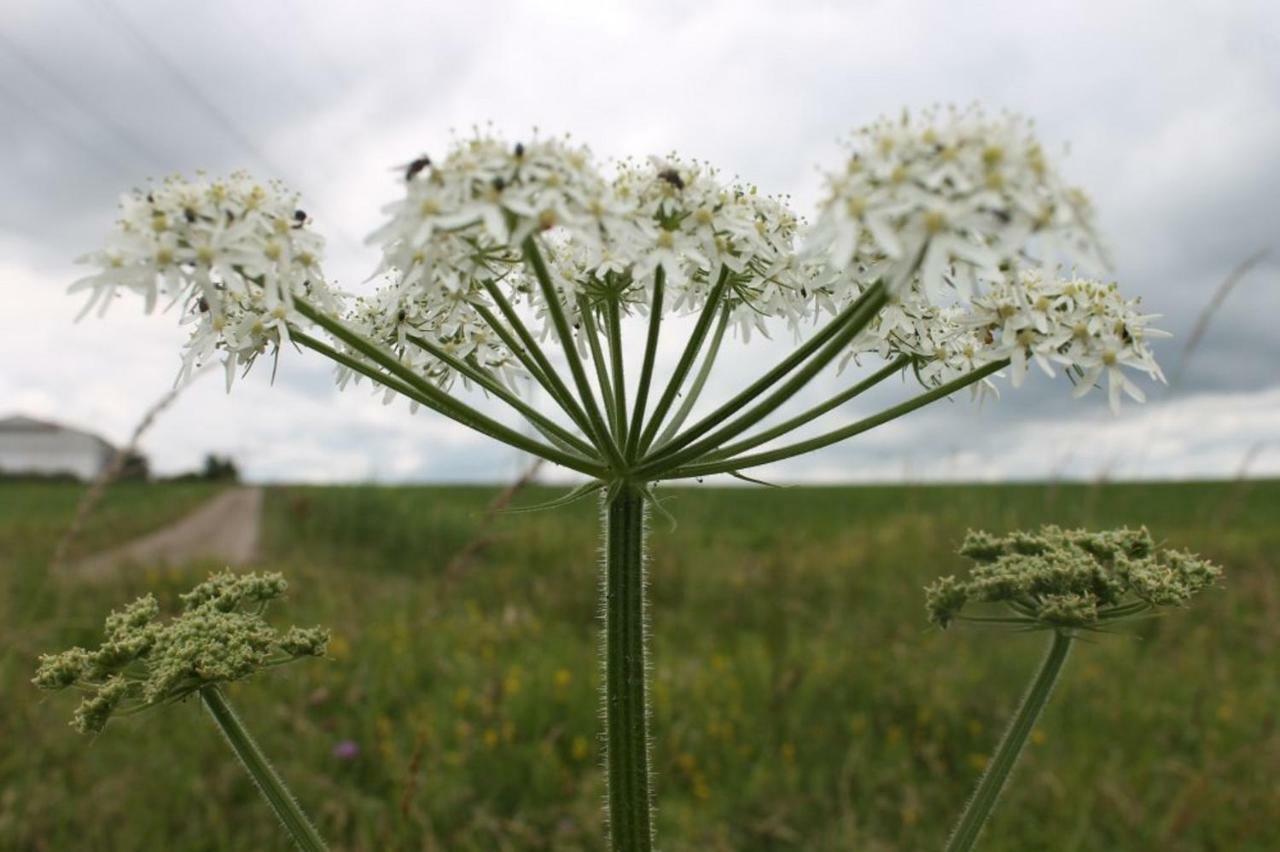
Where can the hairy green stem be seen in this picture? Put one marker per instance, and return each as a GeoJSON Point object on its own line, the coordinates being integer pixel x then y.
{"type": "Point", "coordinates": [260, 770]}
{"type": "Point", "coordinates": [1010, 749]}
{"type": "Point", "coordinates": [626, 706]}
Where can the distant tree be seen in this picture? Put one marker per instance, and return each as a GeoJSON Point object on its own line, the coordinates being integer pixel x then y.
{"type": "Point", "coordinates": [134, 466]}
{"type": "Point", "coordinates": [220, 469]}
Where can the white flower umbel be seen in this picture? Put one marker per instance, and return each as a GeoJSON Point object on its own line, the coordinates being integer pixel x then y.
{"type": "Point", "coordinates": [955, 193]}
{"type": "Point", "coordinates": [233, 253]}
{"type": "Point", "coordinates": [1080, 325]}
{"type": "Point", "coordinates": [936, 250]}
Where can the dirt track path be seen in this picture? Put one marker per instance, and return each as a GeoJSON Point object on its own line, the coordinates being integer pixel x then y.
{"type": "Point", "coordinates": [225, 529]}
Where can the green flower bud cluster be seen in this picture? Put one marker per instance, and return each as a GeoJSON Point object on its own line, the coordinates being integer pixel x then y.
{"type": "Point", "coordinates": [220, 636]}
{"type": "Point", "coordinates": [1068, 579]}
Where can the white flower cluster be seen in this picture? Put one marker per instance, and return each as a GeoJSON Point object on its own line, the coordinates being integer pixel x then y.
{"type": "Point", "coordinates": [954, 195]}
{"type": "Point", "coordinates": [1079, 324]}
{"type": "Point", "coordinates": [233, 252]}
{"type": "Point", "coordinates": [960, 214]}
{"type": "Point", "coordinates": [965, 219]}
{"type": "Point", "coordinates": [463, 220]}
{"type": "Point", "coordinates": [396, 319]}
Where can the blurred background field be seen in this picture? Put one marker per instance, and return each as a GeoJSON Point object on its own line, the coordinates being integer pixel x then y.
{"type": "Point", "coordinates": [801, 701]}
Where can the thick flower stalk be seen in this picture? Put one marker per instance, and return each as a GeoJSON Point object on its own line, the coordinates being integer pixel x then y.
{"type": "Point", "coordinates": [938, 250]}
{"type": "Point", "coordinates": [219, 637]}
{"type": "Point", "coordinates": [1065, 582]}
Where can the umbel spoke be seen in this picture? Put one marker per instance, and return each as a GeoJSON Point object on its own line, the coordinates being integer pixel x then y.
{"type": "Point", "coordinates": [837, 435]}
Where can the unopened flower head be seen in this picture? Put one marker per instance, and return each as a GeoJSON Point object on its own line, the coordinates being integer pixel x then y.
{"type": "Point", "coordinates": [1069, 579]}
{"type": "Point", "coordinates": [220, 636]}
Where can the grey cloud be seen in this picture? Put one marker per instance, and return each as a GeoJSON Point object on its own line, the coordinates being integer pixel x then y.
{"type": "Point", "coordinates": [1173, 116]}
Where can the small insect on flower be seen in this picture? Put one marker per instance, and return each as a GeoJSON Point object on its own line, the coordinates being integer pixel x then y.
{"type": "Point", "coordinates": [416, 165]}
{"type": "Point", "coordinates": [1068, 580]}
{"type": "Point", "coordinates": [220, 636]}
{"type": "Point", "coordinates": [672, 177]}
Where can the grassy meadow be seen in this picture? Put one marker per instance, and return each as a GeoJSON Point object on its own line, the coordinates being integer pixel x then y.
{"type": "Point", "coordinates": [800, 700]}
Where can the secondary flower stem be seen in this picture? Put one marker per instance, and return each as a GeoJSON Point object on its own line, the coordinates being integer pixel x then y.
{"type": "Point", "coordinates": [685, 363]}
{"type": "Point", "coordinates": [592, 333]}
{"type": "Point", "coordinates": [646, 370]}
{"type": "Point", "coordinates": [619, 376]}
{"type": "Point", "coordinates": [809, 415]}
{"type": "Point", "coordinates": [1007, 753]}
{"type": "Point", "coordinates": [626, 704]}
{"type": "Point", "coordinates": [478, 375]}
{"type": "Point", "coordinates": [271, 786]}
{"type": "Point", "coordinates": [682, 449]}
{"type": "Point", "coordinates": [430, 395]}
{"type": "Point", "coordinates": [699, 381]}
{"type": "Point", "coordinates": [533, 258]}
{"type": "Point", "coordinates": [530, 354]}
{"type": "Point", "coordinates": [837, 435]}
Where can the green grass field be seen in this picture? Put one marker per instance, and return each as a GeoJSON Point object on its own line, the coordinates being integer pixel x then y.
{"type": "Point", "coordinates": [800, 700]}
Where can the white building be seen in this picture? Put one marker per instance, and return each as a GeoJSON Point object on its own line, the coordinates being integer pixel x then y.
{"type": "Point", "coordinates": [39, 447]}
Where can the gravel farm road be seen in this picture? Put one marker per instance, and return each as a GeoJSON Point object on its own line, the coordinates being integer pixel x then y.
{"type": "Point", "coordinates": [226, 529]}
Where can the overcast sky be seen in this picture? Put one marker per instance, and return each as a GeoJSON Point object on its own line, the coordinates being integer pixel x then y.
{"type": "Point", "coordinates": [1170, 112]}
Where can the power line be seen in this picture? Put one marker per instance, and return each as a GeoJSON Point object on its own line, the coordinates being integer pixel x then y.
{"type": "Point", "coordinates": [192, 89]}
{"type": "Point", "coordinates": [91, 109]}
{"type": "Point", "coordinates": [72, 139]}
{"type": "Point", "coordinates": [300, 25]}
{"type": "Point", "coordinates": [281, 69]}
{"type": "Point", "coordinates": [188, 85]}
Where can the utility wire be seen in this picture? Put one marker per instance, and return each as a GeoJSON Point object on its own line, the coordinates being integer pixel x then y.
{"type": "Point", "coordinates": [192, 89]}
{"type": "Point", "coordinates": [72, 139]}
{"type": "Point", "coordinates": [301, 26]}
{"type": "Point", "coordinates": [86, 105]}
{"type": "Point", "coordinates": [188, 86]}
{"type": "Point", "coordinates": [281, 69]}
